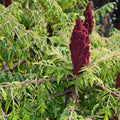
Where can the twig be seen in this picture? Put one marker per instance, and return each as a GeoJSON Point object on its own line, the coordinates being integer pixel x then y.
{"type": "Point", "coordinates": [55, 79]}
{"type": "Point", "coordinates": [114, 44]}
{"type": "Point", "coordinates": [96, 90]}
{"type": "Point", "coordinates": [75, 96]}
{"type": "Point", "coordinates": [3, 116]}
{"type": "Point", "coordinates": [6, 68]}
{"type": "Point", "coordinates": [93, 116]}
{"type": "Point", "coordinates": [3, 113]}
{"type": "Point", "coordinates": [62, 93]}
{"type": "Point", "coordinates": [19, 26]}
{"type": "Point", "coordinates": [74, 99]}
{"type": "Point", "coordinates": [72, 110]}
{"type": "Point", "coordinates": [35, 81]}
{"type": "Point", "coordinates": [112, 92]}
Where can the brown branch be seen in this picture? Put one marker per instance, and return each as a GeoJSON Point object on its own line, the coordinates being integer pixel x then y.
{"type": "Point", "coordinates": [6, 67]}
{"type": "Point", "coordinates": [74, 99]}
{"type": "Point", "coordinates": [3, 114]}
{"type": "Point", "coordinates": [96, 90]}
{"type": "Point", "coordinates": [68, 95]}
{"type": "Point", "coordinates": [93, 117]}
{"type": "Point", "coordinates": [112, 92]}
{"type": "Point", "coordinates": [114, 44]}
{"type": "Point", "coordinates": [62, 93]}
{"type": "Point", "coordinates": [19, 26]}
{"type": "Point", "coordinates": [55, 79]}
{"type": "Point", "coordinates": [35, 81]}
{"type": "Point", "coordinates": [72, 110]}
{"type": "Point", "coordinates": [75, 95]}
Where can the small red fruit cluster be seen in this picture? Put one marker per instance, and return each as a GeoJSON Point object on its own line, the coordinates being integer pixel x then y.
{"type": "Point", "coordinates": [79, 47]}
{"type": "Point", "coordinates": [7, 2]}
{"type": "Point", "coordinates": [118, 81]}
{"type": "Point", "coordinates": [88, 19]}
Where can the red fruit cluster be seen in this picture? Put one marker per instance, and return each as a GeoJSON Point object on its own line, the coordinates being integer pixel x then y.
{"type": "Point", "coordinates": [118, 81]}
{"type": "Point", "coordinates": [118, 27]}
{"type": "Point", "coordinates": [88, 19]}
{"type": "Point", "coordinates": [7, 2]}
{"type": "Point", "coordinates": [79, 47]}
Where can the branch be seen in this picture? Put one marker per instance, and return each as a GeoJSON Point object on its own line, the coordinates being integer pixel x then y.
{"type": "Point", "coordinates": [62, 93]}
{"type": "Point", "coordinates": [93, 116]}
{"type": "Point", "coordinates": [112, 92]}
{"type": "Point", "coordinates": [3, 114]}
{"type": "Point", "coordinates": [74, 99]}
{"type": "Point", "coordinates": [55, 79]}
{"type": "Point", "coordinates": [19, 27]}
{"type": "Point", "coordinates": [6, 67]}
{"type": "Point", "coordinates": [35, 81]}
{"type": "Point", "coordinates": [114, 44]}
{"type": "Point", "coordinates": [72, 110]}
{"type": "Point", "coordinates": [75, 95]}
{"type": "Point", "coordinates": [95, 90]}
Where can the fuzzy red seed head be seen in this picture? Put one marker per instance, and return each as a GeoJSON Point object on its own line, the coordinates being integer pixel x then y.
{"type": "Point", "coordinates": [88, 19]}
{"type": "Point", "coordinates": [79, 47]}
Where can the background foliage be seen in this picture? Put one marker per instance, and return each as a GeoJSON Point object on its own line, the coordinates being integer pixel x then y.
{"type": "Point", "coordinates": [34, 45]}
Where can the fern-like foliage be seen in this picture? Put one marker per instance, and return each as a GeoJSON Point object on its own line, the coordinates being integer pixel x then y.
{"type": "Point", "coordinates": [34, 48]}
